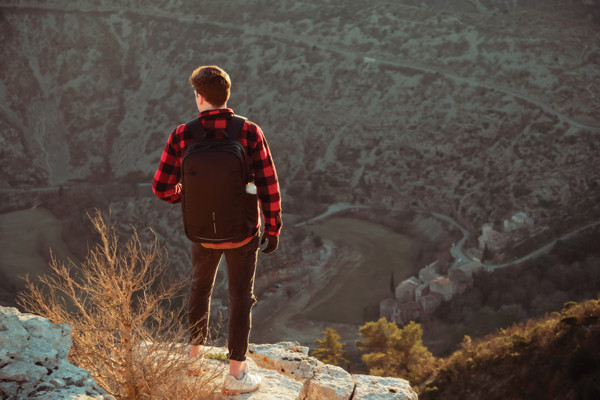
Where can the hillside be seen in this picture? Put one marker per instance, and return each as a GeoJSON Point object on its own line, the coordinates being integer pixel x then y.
{"type": "Point", "coordinates": [552, 358]}
{"type": "Point", "coordinates": [470, 111]}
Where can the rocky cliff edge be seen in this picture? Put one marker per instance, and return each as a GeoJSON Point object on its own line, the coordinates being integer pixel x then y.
{"type": "Point", "coordinates": [33, 365]}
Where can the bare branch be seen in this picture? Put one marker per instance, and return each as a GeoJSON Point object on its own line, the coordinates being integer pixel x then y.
{"type": "Point", "coordinates": [116, 302]}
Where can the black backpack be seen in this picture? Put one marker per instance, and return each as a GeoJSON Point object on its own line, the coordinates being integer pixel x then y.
{"type": "Point", "coordinates": [216, 205]}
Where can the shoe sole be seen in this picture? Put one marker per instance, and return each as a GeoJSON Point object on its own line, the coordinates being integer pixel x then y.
{"type": "Point", "coordinates": [231, 392]}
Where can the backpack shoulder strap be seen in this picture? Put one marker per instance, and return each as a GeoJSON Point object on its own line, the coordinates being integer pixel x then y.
{"type": "Point", "coordinates": [197, 129]}
{"type": "Point", "coordinates": [235, 126]}
{"type": "Point", "coordinates": [199, 132]}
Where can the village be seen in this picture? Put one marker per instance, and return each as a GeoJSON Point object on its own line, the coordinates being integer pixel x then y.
{"type": "Point", "coordinates": [438, 282]}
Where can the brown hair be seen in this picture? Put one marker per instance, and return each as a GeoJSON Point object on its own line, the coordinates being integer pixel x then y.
{"type": "Point", "coordinates": [212, 83]}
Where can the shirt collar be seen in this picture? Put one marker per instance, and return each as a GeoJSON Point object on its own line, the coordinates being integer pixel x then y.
{"type": "Point", "coordinates": [219, 112]}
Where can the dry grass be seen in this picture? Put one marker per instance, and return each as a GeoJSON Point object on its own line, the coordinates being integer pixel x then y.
{"type": "Point", "coordinates": [117, 301]}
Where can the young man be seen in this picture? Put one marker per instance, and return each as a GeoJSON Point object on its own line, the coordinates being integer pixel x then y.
{"type": "Point", "coordinates": [211, 90]}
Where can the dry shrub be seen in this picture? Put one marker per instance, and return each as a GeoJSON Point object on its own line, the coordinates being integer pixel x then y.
{"type": "Point", "coordinates": [117, 302]}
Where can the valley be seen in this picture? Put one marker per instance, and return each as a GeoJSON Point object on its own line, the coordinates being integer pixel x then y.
{"type": "Point", "coordinates": [471, 111]}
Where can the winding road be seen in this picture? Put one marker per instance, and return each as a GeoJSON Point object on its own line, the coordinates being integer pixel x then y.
{"type": "Point", "coordinates": [542, 250]}
{"type": "Point", "coordinates": [457, 250]}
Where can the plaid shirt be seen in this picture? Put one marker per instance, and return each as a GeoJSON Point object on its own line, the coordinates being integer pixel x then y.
{"type": "Point", "coordinates": [166, 184]}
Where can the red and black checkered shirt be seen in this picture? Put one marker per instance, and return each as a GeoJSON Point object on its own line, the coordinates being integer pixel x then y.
{"type": "Point", "coordinates": [166, 180]}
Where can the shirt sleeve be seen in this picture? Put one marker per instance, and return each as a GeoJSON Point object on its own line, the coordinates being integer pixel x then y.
{"type": "Point", "coordinates": [267, 184]}
{"type": "Point", "coordinates": [166, 184]}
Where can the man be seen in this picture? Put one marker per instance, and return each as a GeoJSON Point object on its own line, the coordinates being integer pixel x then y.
{"type": "Point", "coordinates": [211, 90]}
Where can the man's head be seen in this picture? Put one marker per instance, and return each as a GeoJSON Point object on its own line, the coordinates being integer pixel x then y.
{"type": "Point", "coordinates": [212, 83]}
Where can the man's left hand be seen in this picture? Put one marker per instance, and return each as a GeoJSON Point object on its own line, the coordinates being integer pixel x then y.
{"type": "Point", "coordinates": [273, 242]}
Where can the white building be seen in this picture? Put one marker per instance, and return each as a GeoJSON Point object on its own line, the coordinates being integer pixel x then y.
{"type": "Point", "coordinates": [429, 272]}
{"type": "Point", "coordinates": [405, 291]}
{"type": "Point", "coordinates": [518, 221]}
{"type": "Point", "coordinates": [491, 238]}
{"type": "Point", "coordinates": [464, 272]}
{"type": "Point", "coordinates": [443, 286]}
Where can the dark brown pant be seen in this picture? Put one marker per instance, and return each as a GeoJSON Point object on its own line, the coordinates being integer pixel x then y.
{"type": "Point", "coordinates": [241, 267]}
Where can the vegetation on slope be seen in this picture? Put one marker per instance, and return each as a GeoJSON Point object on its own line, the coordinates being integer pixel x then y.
{"type": "Point", "coordinates": [393, 351]}
{"type": "Point", "coordinates": [556, 357]}
{"type": "Point", "coordinates": [329, 349]}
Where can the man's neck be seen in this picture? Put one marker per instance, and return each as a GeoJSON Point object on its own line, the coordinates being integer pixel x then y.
{"type": "Point", "coordinates": [208, 107]}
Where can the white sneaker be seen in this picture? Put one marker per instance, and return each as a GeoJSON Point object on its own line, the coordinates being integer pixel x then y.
{"type": "Point", "coordinates": [246, 384]}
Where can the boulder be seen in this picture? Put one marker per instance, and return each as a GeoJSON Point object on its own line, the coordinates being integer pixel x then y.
{"type": "Point", "coordinates": [33, 362]}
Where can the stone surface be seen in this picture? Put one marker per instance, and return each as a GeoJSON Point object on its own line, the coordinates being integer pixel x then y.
{"type": "Point", "coordinates": [33, 362]}
{"type": "Point", "coordinates": [321, 381]}
{"type": "Point", "coordinates": [274, 386]}
{"type": "Point", "coordinates": [329, 383]}
{"type": "Point", "coordinates": [288, 358]}
{"type": "Point", "coordinates": [378, 388]}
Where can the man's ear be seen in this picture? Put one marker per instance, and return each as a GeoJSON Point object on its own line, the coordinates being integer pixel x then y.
{"type": "Point", "coordinates": [200, 102]}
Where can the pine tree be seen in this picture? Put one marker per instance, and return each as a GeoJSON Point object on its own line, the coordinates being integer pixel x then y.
{"type": "Point", "coordinates": [330, 350]}
{"type": "Point", "coordinates": [375, 335]}
{"type": "Point", "coordinates": [393, 351]}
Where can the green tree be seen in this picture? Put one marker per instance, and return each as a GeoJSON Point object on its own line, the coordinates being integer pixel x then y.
{"type": "Point", "coordinates": [330, 350]}
{"type": "Point", "coordinates": [375, 335]}
{"type": "Point", "coordinates": [393, 351]}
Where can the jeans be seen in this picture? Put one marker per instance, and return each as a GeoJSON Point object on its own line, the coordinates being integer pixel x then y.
{"type": "Point", "coordinates": [241, 268]}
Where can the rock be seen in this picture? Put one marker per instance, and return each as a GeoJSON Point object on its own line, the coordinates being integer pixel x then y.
{"type": "Point", "coordinates": [288, 358]}
{"type": "Point", "coordinates": [58, 342]}
{"type": "Point", "coordinates": [274, 386]}
{"type": "Point", "coordinates": [378, 388]}
{"type": "Point", "coordinates": [322, 381]}
{"type": "Point", "coordinates": [22, 371]}
{"type": "Point", "coordinates": [329, 383]}
{"type": "Point", "coordinates": [33, 362]}
{"type": "Point", "coordinates": [33, 366]}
